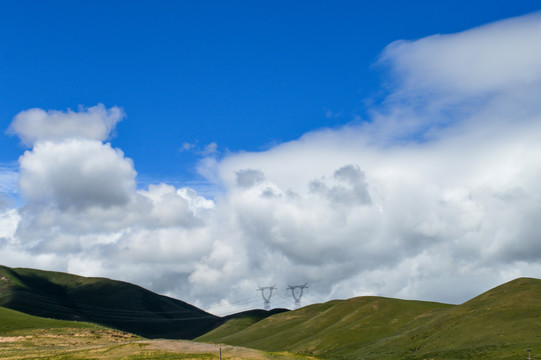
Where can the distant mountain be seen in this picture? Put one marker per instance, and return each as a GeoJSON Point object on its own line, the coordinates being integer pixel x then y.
{"type": "Point", "coordinates": [110, 303]}
{"type": "Point", "coordinates": [502, 323]}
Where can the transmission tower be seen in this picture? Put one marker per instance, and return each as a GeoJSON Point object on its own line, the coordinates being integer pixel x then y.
{"type": "Point", "coordinates": [296, 291]}
{"type": "Point", "coordinates": [266, 293]}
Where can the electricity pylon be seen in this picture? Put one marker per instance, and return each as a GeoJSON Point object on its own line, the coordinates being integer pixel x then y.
{"type": "Point", "coordinates": [297, 295]}
{"type": "Point", "coordinates": [266, 298]}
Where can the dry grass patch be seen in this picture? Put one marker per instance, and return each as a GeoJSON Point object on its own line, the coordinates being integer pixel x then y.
{"type": "Point", "coordinates": [104, 344]}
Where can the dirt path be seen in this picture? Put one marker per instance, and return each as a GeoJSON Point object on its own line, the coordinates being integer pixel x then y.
{"type": "Point", "coordinates": [228, 352]}
{"type": "Point", "coordinates": [113, 345]}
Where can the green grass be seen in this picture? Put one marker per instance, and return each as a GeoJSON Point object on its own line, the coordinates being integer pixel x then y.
{"type": "Point", "coordinates": [240, 321]}
{"type": "Point", "coordinates": [502, 323]}
{"type": "Point", "coordinates": [14, 322]}
{"type": "Point", "coordinates": [110, 303]}
{"type": "Point", "coordinates": [336, 327]}
{"type": "Point", "coordinates": [24, 336]}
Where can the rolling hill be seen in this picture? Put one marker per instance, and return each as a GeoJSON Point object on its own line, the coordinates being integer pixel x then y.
{"type": "Point", "coordinates": [502, 323]}
{"type": "Point", "coordinates": [12, 321]}
{"type": "Point", "coordinates": [240, 321]}
{"type": "Point", "coordinates": [115, 304]}
{"type": "Point", "coordinates": [24, 336]}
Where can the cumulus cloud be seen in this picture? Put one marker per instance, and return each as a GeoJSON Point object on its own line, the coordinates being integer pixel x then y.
{"type": "Point", "coordinates": [445, 174]}
{"type": "Point", "coordinates": [76, 173]}
{"type": "Point", "coordinates": [437, 197]}
{"type": "Point", "coordinates": [352, 187]}
{"type": "Point", "coordinates": [249, 177]}
{"type": "Point", "coordinates": [94, 123]}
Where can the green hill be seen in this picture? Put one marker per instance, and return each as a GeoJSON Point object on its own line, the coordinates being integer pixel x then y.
{"type": "Point", "coordinates": [115, 304]}
{"type": "Point", "coordinates": [501, 323]}
{"type": "Point", "coordinates": [24, 336]}
{"type": "Point", "coordinates": [334, 328]}
{"type": "Point", "coordinates": [12, 321]}
{"type": "Point", "coordinates": [240, 321]}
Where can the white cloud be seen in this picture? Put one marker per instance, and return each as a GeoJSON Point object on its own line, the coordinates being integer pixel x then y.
{"type": "Point", "coordinates": [494, 57]}
{"type": "Point", "coordinates": [448, 176]}
{"type": "Point", "coordinates": [8, 224]}
{"type": "Point", "coordinates": [76, 173]}
{"type": "Point", "coordinates": [436, 198]}
{"type": "Point", "coordinates": [8, 184]}
{"type": "Point", "coordinates": [95, 123]}
{"type": "Point", "coordinates": [350, 190]}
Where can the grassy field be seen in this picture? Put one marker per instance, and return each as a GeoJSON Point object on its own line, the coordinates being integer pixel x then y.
{"type": "Point", "coordinates": [14, 323]}
{"type": "Point", "coordinates": [500, 324]}
{"type": "Point", "coordinates": [24, 336]}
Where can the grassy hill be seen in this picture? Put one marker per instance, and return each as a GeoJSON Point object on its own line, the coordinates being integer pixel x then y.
{"type": "Point", "coordinates": [115, 304]}
{"type": "Point", "coordinates": [240, 321]}
{"type": "Point", "coordinates": [14, 322]}
{"type": "Point", "coordinates": [501, 323]}
{"type": "Point", "coordinates": [24, 336]}
{"type": "Point", "coordinates": [334, 328]}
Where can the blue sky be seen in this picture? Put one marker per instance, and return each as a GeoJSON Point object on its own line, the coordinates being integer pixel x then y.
{"type": "Point", "coordinates": [244, 75]}
{"type": "Point", "coordinates": [204, 149]}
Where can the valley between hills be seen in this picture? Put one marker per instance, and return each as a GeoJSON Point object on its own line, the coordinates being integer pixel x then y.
{"type": "Point", "coordinates": [62, 316]}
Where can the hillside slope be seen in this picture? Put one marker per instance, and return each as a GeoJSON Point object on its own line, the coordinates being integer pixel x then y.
{"type": "Point", "coordinates": [334, 328]}
{"type": "Point", "coordinates": [237, 322]}
{"type": "Point", "coordinates": [111, 303]}
{"type": "Point", "coordinates": [501, 323]}
{"type": "Point", "coordinates": [12, 321]}
{"type": "Point", "coordinates": [24, 336]}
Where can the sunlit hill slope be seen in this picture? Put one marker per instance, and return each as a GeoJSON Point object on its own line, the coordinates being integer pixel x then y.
{"type": "Point", "coordinates": [502, 323]}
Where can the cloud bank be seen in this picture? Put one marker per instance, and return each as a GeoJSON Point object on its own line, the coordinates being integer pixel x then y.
{"type": "Point", "coordinates": [436, 196]}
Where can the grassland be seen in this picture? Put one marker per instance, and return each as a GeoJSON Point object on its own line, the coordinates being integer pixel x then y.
{"type": "Point", "coordinates": [24, 336]}
{"type": "Point", "coordinates": [500, 324]}
{"type": "Point", "coordinates": [14, 322]}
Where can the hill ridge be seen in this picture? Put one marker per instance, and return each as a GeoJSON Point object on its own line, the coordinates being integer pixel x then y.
{"type": "Point", "coordinates": [112, 303]}
{"type": "Point", "coordinates": [500, 323]}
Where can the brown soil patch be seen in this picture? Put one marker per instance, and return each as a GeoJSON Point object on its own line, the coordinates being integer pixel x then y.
{"type": "Point", "coordinates": [191, 347]}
